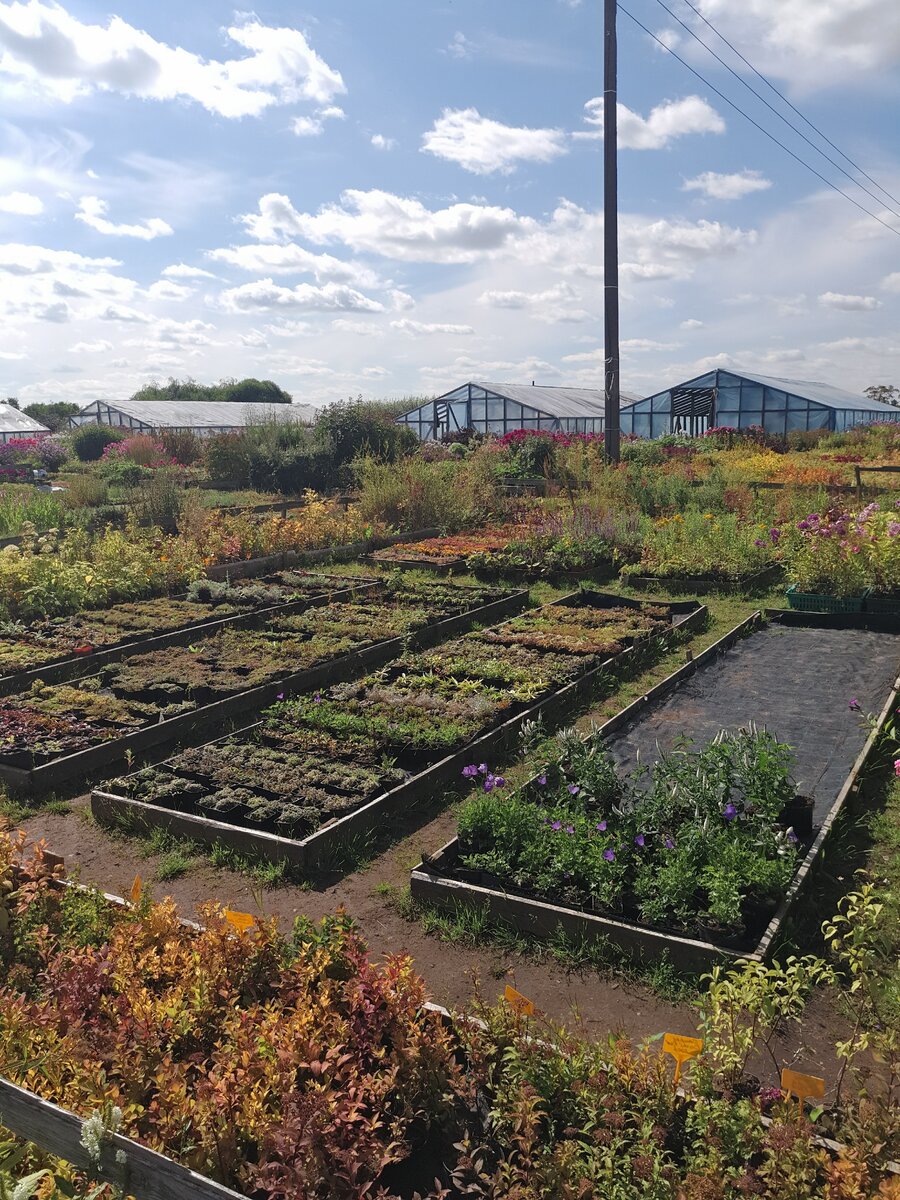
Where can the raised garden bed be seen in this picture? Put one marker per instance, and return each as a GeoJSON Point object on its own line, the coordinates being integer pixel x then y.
{"type": "Point", "coordinates": [60, 732]}
{"type": "Point", "coordinates": [300, 785]}
{"type": "Point", "coordinates": [702, 585]}
{"type": "Point", "coordinates": [67, 647]}
{"type": "Point", "coordinates": [250, 567]}
{"type": "Point", "coordinates": [721, 689]}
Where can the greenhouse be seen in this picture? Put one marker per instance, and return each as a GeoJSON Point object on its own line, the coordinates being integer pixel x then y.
{"type": "Point", "coordinates": [739, 400]}
{"type": "Point", "coordinates": [501, 407]}
{"type": "Point", "coordinates": [202, 417]}
{"type": "Point", "coordinates": [15, 424]}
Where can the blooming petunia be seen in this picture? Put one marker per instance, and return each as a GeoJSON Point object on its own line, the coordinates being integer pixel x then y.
{"type": "Point", "coordinates": [570, 829]}
{"type": "Point", "coordinates": [854, 705]}
{"type": "Point", "coordinates": [609, 855]}
{"type": "Point", "coordinates": [482, 768]}
{"type": "Point", "coordinates": [729, 812]}
{"type": "Point", "coordinates": [574, 789]}
{"type": "Point", "coordinates": [640, 840]}
{"type": "Point", "coordinates": [556, 826]}
{"type": "Point", "coordinates": [470, 772]}
{"type": "Point", "coordinates": [280, 696]}
{"type": "Point", "coordinates": [542, 780]}
{"type": "Point", "coordinates": [669, 844]}
{"type": "Point", "coordinates": [601, 827]}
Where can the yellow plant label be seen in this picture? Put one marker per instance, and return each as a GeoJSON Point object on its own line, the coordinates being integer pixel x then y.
{"type": "Point", "coordinates": [518, 1003]}
{"type": "Point", "coordinates": [240, 920]}
{"type": "Point", "coordinates": [136, 888]}
{"type": "Point", "coordinates": [802, 1086]}
{"type": "Point", "coordinates": [681, 1048]}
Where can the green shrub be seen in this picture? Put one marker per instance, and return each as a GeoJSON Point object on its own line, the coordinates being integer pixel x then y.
{"type": "Point", "coordinates": [89, 441]}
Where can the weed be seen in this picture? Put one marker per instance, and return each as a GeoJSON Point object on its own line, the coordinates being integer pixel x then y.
{"type": "Point", "coordinates": [173, 864]}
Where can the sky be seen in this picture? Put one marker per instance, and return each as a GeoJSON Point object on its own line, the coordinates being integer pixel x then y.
{"type": "Point", "coordinates": [391, 199]}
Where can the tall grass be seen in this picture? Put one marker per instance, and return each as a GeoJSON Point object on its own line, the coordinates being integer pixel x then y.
{"type": "Point", "coordinates": [17, 508]}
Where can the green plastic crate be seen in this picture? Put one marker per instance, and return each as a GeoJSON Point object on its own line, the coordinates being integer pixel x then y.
{"type": "Point", "coordinates": [810, 602]}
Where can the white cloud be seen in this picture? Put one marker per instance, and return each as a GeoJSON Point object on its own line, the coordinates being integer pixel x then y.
{"type": "Point", "coordinates": [313, 126]}
{"type": "Point", "coordinates": [291, 259]}
{"type": "Point", "coordinates": [99, 347]}
{"type": "Point", "coordinates": [22, 204]}
{"type": "Point", "coordinates": [810, 43]}
{"type": "Point", "coordinates": [265, 294]}
{"type": "Point", "coordinates": [45, 46]}
{"type": "Point", "coordinates": [420, 327]}
{"type": "Point", "coordinates": [380, 142]}
{"type": "Point", "coordinates": [891, 283]}
{"type": "Point", "coordinates": [667, 121]}
{"type": "Point", "coordinates": [848, 303]}
{"type": "Point", "coordinates": [727, 187]}
{"type": "Point", "coordinates": [92, 210]}
{"type": "Point", "coordinates": [182, 271]}
{"type": "Point", "coordinates": [394, 226]}
{"type": "Point", "coordinates": [164, 289]}
{"type": "Point", "coordinates": [11, 356]}
{"type": "Point", "coordinates": [483, 146]}
{"type": "Point", "coordinates": [553, 305]}
{"type": "Point", "coordinates": [19, 259]}
{"type": "Point", "coordinates": [692, 323]}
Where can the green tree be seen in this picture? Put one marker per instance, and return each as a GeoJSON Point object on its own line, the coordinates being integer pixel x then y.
{"type": "Point", "coordinates": [886, 393]}
{"type": "Point", "coordinates": [228, 391]}
{"type": "Point", "coordinates": [55, 416]}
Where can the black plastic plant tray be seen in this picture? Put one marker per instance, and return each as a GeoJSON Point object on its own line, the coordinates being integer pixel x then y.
{"type": "Point", "coordinates": [435, 880]}
{"type": "Point", "coordinates": [74, 666]}
{"type": "Point", "coordinates": [702, 585]}
{"type": "Point", "coordinates": [182, 728]}
{"type": "Point", "coordinates": [322, 845]}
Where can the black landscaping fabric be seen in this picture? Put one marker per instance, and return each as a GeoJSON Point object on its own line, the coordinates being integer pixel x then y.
{"type": "Point", "coordinates": [796, 682]}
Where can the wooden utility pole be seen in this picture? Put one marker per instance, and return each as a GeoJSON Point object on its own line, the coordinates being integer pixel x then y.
{"type": "Point", "coordinates": [610, 236]}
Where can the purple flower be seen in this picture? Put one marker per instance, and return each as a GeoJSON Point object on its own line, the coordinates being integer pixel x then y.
{"type": "Point", "coordinates": [729, 812]}
{"type": "Point", "coordinates": [640, 840]}
{"type": "Point", "coordinates": [570, 829]}
{"type": "Point", "coordinates": [482, 768]}
{"type": "Point", "coordinates": [669, 844]}
{"type": "Point", "coordinates": [470, 772]}
{"type": "Point", "coordinates": [492, 781]}
{"type": "Point", "coordinates": [609, 855]}
{"type": "Point", "coordinates": [574, 789]}
{"type": "Point", "coordinates": [775, 534]}
{"type": "Point", "coordinates": [542, 780]}
{"type": "Point", "coordinates": [499, 781]}
{"type": "Point", "coordinates": [280, 696]}
{"type": "Point", "coordinates": [556, 826]}
{"type": "Point", "coordinates": [601, 827]}
{"type": "Point", "coordinates": [758, 542]}
{"type": "Point", "coordinates": [317, 699]}
{"type": "Point", "coordinates": [854, 705]}
{"type": "Point", "coordinates": [792, 837]}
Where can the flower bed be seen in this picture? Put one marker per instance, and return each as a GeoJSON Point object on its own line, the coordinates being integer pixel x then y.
{"type": "Point", "coordinates": [315, 766]}
{"type": "Point", "coordinates": [703, 546]}
{"type": "Point", "coordinates": [699, 847]}
{"type": "Point", "coordinates": [152, 697]}
{"type": "Point", "coordinates": [702, 859]}
{"type": "Point", "coordinates": [64, 646]}
{"type": "Point", "coordinates": [293, 1066]}
{"type": "Point", "coordinates": [839, 558]}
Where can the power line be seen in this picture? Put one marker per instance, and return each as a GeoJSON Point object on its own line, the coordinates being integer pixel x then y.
{"type": "Point", "coordinates": [756, 124]}
{"type": "Point", "coordinates": [781, 96]}
{"type": "Point", "coordinates": [772, 108]}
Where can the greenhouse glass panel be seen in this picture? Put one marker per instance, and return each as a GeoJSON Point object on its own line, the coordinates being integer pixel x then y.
{"type": "Point", "coordinates": [495, 409]}
{"type": "Point", "coordinates": [799, 420]}
{"type": "Point", "coordinates": [797, 404]}
{"type": "Point", "coordinates": [661, 403]}
{"type": "Point", "coordinates": [460, 414]}
{"type": "Point", "coordinates": [640, 424]}
{"type": "Point", "coordinates": [751, 395]}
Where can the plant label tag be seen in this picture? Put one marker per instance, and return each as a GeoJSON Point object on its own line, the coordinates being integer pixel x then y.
{"type": "Point", "coordinates": [802, 1086]}
{"type": "Point", "coordinates": [240, 920]}
{"type": "Point", "coordinates": [518, 1003]}
{"type": "Point", "coordinates": [136, 889]}
{"type": "Point", "coordinates": [682, 1049]}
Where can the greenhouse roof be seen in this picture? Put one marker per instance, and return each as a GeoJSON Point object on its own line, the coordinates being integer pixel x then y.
{"type": "Point", "coordinates": [13, 421]}
{"type": "Point", "coordinates": [557, 401]}
{"type": "Point", "coordinates": [820, 393]}
{"type": "Point", "coordinates": [204, 414]}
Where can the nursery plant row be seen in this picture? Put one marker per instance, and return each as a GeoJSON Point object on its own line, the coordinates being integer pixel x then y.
{"type": "Point", "coordinates": [698, 857]}
{"type": "Point", "coordinates": [334, 1077]}
{"type": "Point", "coordinates": [61, 647]}
{"type": "Point", "coordinates": [328, 765]}
{"type": "Point", "coordinates": [56, 731]}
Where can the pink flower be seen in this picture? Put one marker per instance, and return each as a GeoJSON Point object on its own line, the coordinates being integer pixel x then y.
{"type": "Point", "coordinates": [897, 766]}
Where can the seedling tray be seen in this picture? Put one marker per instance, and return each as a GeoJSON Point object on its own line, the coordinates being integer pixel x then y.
{"type": "Point", "coordinates": [74, 666]}
{"type": "Point", "coordinates": [321, 846]}
{"type": "Point", "coordinates": [814, 602]}
{"type": "Point", "coordinates": [702, 585]}
{"type": "Point", "coordinates": [82, 763]}
{"type": "Point", "coordinates": [435, 883]}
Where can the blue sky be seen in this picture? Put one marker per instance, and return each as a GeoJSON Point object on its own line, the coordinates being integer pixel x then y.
{"type": "Point", "coordinates": [391, 199]}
